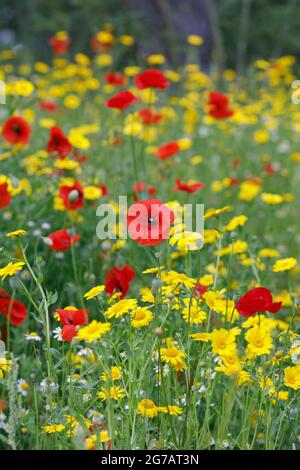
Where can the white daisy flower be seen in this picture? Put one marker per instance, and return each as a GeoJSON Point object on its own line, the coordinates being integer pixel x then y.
{"type": "Point", "coordinates": [23, 387]}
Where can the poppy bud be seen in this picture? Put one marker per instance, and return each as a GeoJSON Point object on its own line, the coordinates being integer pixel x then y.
{"type": "Point", "coordinates": [106, 245]}
{"type": "Point", "coordinates": [120, 262]}
{"type": "Point", "coordinates": [233, 235]}
{"type": "Point", "coordinates": [47, 241]}
{"type": "Point", "coordinates": [159, 331]}
{"type": "Point", "coordinates": [156, 284]}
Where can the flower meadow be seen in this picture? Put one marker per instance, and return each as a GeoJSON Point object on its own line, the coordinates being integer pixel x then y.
{"type": "Point", "coordinates": [148, 342]}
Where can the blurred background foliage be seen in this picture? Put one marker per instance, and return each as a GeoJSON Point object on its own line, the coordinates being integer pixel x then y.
{"type": "Point", "coordinates": [235, 31]}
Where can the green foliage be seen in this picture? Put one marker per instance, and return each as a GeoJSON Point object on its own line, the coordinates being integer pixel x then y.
{"type": "Point", "coordinates": [273, 25]}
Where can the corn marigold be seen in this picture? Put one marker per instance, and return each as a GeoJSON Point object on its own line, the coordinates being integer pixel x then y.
{"type": "Point", "coordinates": [259, 341]}
{"type": "Point", "coordinates": [115, 393]}
{"type": "Point", "coordinates": [10, 269]}
{"type": "Point", "coordinates": [284, 264]}
{"type": "Point", "coordinates": [120, 308]}
{"type": "Point", "coordinates": [95, 330]}
{"type": "Point", "coordinates": [292, 377]}
{"type": "Point", "coordinates": [147, 408]}
{"type": "Point", "coordinates": [141, 316]}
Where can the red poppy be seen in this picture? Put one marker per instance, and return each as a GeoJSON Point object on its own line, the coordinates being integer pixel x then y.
{"type": "Point", "coordinates": [148, 117]}
{"type": "Point", "coordinates": [95, 44]}
{"type": "Point", "coordinates": [189, 188]}
{"type": "Point", "coordinates": [16, 131]}
{"type": "Point", "coordinates": [200, 290]}
{"type": "Point", "coordinates": [72, 196]}
{"type": "Point", "coordinates": [73, 317]}
{"type": "Point", "coordinates": [104, 189]}
{"type": "Point", "coordinates": [151, 78]}
{"type": "Point", "coordinates": [257, 300]}
{"type": "Point", "coordinates": [218, 104]}
{"type": "Point", "coordinates": [118, 280]}
{"type": "Point", "coordinates": [5, 197]}
{"type": "Point", "coordinates": [48, 106]}
{"type": "Point", "coordinates": [59, 46]}
{"type": "Point", "coordinates": [167, 150]}
{"type": "Point", "coordinates": [98, 46]}
{"type": "Point", "coordinates": [61, 240]}
{"type": "Point", "coordinates": [269, 168]}
{"type": "Point", "coordinates": [236, 162]}
{"type": "Point", "coordinates": [115, 78]}
{"type": "Point", "coordinates": [79, 158]}
{"type": "Point", "coordinates": [149, 222]}
{"type": "Point", "coordinates": [233, 181]}
{"type": "Point", "coordinates": [70, 319]}
{"type": "Point", "coordinates": [144, 188]}
{"type": "Point", "coordinates": [15, 310]}
{"type": "Point", "coordinates": [121, 100]}
{"type": "Point", "coordinates": [58, 142]}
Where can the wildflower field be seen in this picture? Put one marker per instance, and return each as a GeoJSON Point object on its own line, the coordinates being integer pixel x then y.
{"type": "Point", "coordinates": [148, 342]}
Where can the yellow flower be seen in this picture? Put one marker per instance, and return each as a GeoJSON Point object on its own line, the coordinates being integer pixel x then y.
{"type": "Point", "coordinates": [78, 140]}
{"type": "Point", "coordinates": [10, 269]}
{"type": "Point", "coordinates": [156, 59]}
{"type": "Point", "coordinates": [216, 212]}
{"type": "Point", "coordinates": [132, 70]}
{"type": "Point", "coordinates": [53, 428]}
{"type": "Point", "coordinates": [141, 316]}
{"type": "Point", "coordinates": [4, 366]}
{"type": "Point", "coordinates": [292, 377]}
{"type": "Point", "coordinates": [172, 356]}
{"type": "Point", "coordinates": [104, 60]}
{"type": "Point", "coordinates": [194, 40]}
{"type": "Point", "coordinates": [196, 159]}
{"type": "Point", "coordinates": [72, 101]}
{"type": "Point", "coordinates": [147, 296]}
{"type": "Point", "coordinates": [232, 366]}
{"type": "Point", "coordinates": [91, 441]}
{"type": "Point", "coordinates": [147, 408]}
{"type": "Point", "coordinates": [153, 270]}
{"type": "Point", "coordinates": [115, 393]}
{"type": "Point", "coordinates": [104, 437]}
{"type": "Point", "coordinates": [174, 279]}
{"type": "Point", "coordinates": [261, 136]}
{"type": "Point", "coordinates": [113, 374]}
{"type": "Point", "coordinates": [66, 164]}
{"type": "Point", "coordinates": [248, 190]}
{"type": "Point", "coordinates": [173, 410]}
{"type": "Point", "coordinates": [192, 312]}
{"type": "Point", "coordinates": [126, 40]}
{"type": "Point", "coordinates": [223, 341]}
{"type": "Point", "coordinates": [210, 236]}
{"type": "Point", "coordinates": [93, 331]}
{"type": "Point", "coordinates": [284, 264]}
{"type": "Point", "coordinates": [16, 233]}
{"type": "Point", "coordinates": [259, 341]}
{"type": "Point", "coordinates": [272, 199]}
{"type": "Point", "coordinates": [205, 337]}
{"type": "Point", "coordinates": [120, 308]}
{"type": "Point", "coordinates": [92, 192]}
{"type": "Point", "coordinates": [206, 280]}
{"type": "Point", "coordinates": [238, 221]}
{"type": "Point", "coordinates": [268, 253]}
{"type": "Point", "coordinates": [105, 37]}
{"type": "Point", "coordinates": [94, 292]}
{"type": "Point", "coordinates": [133, 128]}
